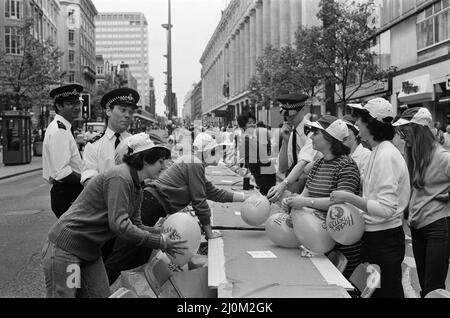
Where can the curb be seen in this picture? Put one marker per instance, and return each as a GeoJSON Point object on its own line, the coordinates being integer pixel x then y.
{"type": "Point", "coordinates": [19, 174]}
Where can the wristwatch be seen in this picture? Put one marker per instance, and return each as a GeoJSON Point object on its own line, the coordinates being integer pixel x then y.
{"type": "Point", "coordinates": [286, 182]}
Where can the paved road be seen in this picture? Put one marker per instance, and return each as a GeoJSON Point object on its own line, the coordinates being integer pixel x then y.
{"type": "Point", "coordinates": [25, 219]}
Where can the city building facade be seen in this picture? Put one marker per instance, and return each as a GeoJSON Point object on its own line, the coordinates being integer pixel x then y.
{"type": "Point", "coordinates": [76, 38]}
{"type": "Point", "coordinates": [152, 99]}
{"type": "Point", "coordinates": [414, 37]}
{"type": "Point", "coordinates": [229, 60]}
{"type": "Point", "coordinates": [122, 38]}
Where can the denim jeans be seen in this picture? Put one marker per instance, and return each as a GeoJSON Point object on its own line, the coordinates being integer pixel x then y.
{"type": "Point", "coordinates": [67, 276]}
{"type": "Point", "coordinates": [430, 247]}
{"type": "Point", "coordinates": [387, 250]}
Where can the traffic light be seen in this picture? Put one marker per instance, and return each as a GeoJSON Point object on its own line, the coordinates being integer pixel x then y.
{"type": "Point", "coordinates": [86, 106]}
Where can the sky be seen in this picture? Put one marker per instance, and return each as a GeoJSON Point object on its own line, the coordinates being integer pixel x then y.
{"type": "Point", "coordinates": [194, 22]}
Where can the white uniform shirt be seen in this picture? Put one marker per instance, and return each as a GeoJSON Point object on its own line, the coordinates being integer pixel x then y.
{"type": "Point", "coordinates": [60, 155]}
{"type": "Point", "coordinates": [304, 145]}
{"type": "Point", "coordinates": [98, 156]}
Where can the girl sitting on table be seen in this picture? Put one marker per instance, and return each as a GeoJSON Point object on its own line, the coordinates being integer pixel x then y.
{"type": "Point", "coordinates": [386, 194]}
{"type": "Point", "coordinates": [183, 183]}
{"type": "Point", "coordinates": [109, 206]}
{"type": "Point", "coordinates": [335, 171]}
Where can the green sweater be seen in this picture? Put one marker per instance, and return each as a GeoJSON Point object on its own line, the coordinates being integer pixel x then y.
{"type": "Point", "coordinates": [108, 207]}
{"type": "Point", "coordinates": [185, 183]}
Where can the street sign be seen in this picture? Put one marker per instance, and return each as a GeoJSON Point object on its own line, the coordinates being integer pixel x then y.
{"type": "Point", "coordinates": [448, 83]}
{"type": "Point", "coordinates": [86, 111]}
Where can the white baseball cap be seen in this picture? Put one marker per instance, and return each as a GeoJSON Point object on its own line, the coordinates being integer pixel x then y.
{"type": "Point", "coordinates": [378, 108]}
{"type": "Point", "coordinates": [204, 141]}
{"type": "Point", "coordinates": [417, 115]}
{"type": "Point", "coordinates": [337, 128]}
{"type": "Point", "coordinates": [136, 144]}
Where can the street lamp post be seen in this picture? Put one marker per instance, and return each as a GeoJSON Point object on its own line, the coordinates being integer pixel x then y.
{"type": "Point", "coordinates": [169, 100]}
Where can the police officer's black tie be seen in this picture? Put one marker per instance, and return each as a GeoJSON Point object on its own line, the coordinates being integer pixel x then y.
{"type": "Point", "coordinates": [117, 140]}
{"type": "Point", "coordinates": [294, 148]}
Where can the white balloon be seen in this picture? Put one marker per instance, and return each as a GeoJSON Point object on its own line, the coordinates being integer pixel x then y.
{"type": "Point", "coordinates": [345, 224]}
{"type": "Point", "coordinates": [255, 210]}
{"type": "Point", "coordinates": [280, 230]}
{"type": "Point", "coordinates": [186, 229]}
{"type": "Point", "coordinates": [312, 231]}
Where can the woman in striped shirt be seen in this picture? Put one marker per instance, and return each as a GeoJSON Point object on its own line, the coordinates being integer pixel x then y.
{"type": "Point", "coordinates": [335, 171]}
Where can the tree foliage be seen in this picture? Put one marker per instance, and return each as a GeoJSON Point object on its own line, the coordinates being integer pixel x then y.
{"type": "Point", "coordinates": [26, 78]}
{"type": "Point", "coordinates": [340, 53]}
{"type": "Point", "coordinates": [112, 81]}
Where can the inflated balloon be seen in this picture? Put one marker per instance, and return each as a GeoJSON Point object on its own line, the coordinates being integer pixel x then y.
{"type": "Point", "coordinates": [345, 224]}
{"type": "Point", "coordinates": [280, 230]}
{"type": "Point", "coordinates": [186, 229]}
{"type": "Point", "coordinates": [311, 230]}
{"type": "Point", "coordinates": [255, 210]}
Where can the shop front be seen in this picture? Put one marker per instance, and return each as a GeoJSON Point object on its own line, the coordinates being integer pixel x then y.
{"type": "Point", "coordinates": [425, 87]}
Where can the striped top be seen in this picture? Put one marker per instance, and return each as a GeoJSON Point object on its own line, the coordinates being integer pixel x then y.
{"type": "Point", "coordinates": [338, 174]}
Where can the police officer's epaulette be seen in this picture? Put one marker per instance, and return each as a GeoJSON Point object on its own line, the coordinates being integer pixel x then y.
{"type": "Point", "coordinates": [61, 125]}
{"type": "Point", "coordinates": [96, 138]}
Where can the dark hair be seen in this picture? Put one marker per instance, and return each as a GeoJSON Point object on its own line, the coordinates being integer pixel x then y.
{"type": "Point", "coordinates": [260, 124]}
{"type": "Point", "coordinates": [380, 131]}
{"type": "Point", "coordinates": [243, 119]}
{"type": "Point", "coordinates": [150, 156]}
{"type": "Point", "coordinates": [420, 153]}
{"type": "Point", "coordinates": [338, 149]}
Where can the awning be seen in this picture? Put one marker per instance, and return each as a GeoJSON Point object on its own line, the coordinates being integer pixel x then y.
{"type": "Point", "coordinates": [417, 90]}
{"type": "Point", "coordinates": [145, 118]}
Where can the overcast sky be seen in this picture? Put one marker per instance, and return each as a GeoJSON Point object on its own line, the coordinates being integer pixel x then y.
{"type": "Point", "coordinates": [194, 23]}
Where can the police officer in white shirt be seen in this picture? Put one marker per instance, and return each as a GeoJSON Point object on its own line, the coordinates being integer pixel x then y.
{"type": "Point", "coordinates": [296, 150]}
{"type": "Point", "coordinates": [61, 159]}
{"type": "Point", "coordinates": [99, 153]}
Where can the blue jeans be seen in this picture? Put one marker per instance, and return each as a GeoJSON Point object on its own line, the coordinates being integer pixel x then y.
{"type": "Point", "coordinates": [430, 252]}
{"type": "Point", "coordinates": [67, 276]}
{"type": "Point", "coordinates": [387, 250]}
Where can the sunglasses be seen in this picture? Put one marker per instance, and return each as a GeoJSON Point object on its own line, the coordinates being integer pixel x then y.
{"type": "Point", "coordinates": [401, 132]}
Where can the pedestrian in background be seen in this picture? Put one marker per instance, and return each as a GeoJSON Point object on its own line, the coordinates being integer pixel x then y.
{"type": "Point", "coordinates": [61, 159]}
{"type": "Point", "coordinates": [447, 138]}
{"type": "Point", "coordinates": [386, 194]}
{"type": "Point", "coordinates": [429, 169]}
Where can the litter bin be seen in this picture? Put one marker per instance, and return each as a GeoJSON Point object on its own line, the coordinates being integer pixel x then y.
{"type": "Point", "coordinates": [16, 137]}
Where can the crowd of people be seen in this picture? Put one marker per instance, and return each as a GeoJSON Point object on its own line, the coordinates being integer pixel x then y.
{"type": "Point", "coordinates": [109, 201]}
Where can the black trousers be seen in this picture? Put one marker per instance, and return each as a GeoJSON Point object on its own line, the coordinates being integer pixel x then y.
{"type": "Point", "coordinates": [119, 255]}
{"type": "Point", "coordinates": [387, 250]}
{"type": "Point", "coordinates": [62, 196]}
{"type": "Point", "coordinates": [430, 247]}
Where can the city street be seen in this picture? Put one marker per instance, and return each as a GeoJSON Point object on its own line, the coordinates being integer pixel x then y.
{"type": "Point", "coordinates": [25, 219]}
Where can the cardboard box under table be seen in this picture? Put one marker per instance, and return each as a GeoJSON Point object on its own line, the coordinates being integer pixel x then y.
{"type": "Point", "coordinates": [246, 264]}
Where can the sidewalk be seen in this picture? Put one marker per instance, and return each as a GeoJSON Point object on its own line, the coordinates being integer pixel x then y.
{"type": "Point", "coordinates": [13, 171]}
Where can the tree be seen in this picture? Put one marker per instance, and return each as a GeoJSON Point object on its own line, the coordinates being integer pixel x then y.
{"type": "Point", "coordinates": [279, 71]}
{"type": "Point", "coordinates": [111, 82]}
{"type": "Point", "coordinates": [342, 49]}
{"type": "Point", "coordinates": [26, 77]}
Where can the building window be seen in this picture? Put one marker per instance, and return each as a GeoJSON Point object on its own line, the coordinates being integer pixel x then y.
{"type": "Point", "coordinates": [71, 16]}
{"type": "Point", "coordinates": [12, 9]}
{"type": "Point", "coordinates": [71, 56]}
{"type": "Point", "coordinates": [433, 25]}
{"type": "Point", "coordinates": [71, 36]}
{"type": "Point", "coordinates": [12, 41]}
{"type": "Point", "coordinates": [71, 77]}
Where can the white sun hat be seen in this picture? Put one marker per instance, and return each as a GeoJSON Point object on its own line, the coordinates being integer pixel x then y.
{"type": "Point", "coordinates": [378, 108]}
{"type": "Point", "coordinates": [417, 115]}
{"type": "Point", "coordinates": [134, 145]}
{"type": "Point", "coordinates": [337, 127]}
